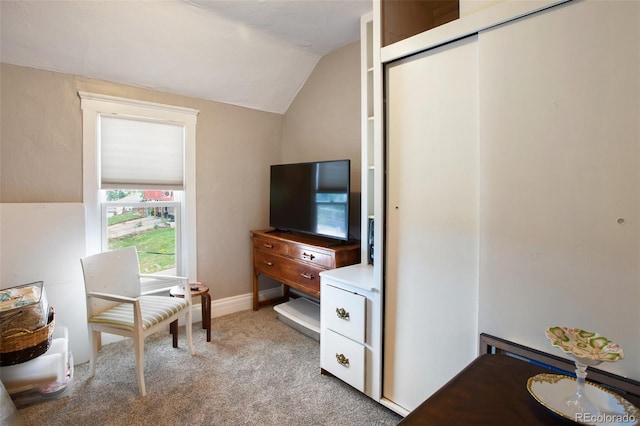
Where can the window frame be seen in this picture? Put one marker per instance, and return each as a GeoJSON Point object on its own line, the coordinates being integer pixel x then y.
{"type": "Point", "coordinates": [93, 105]}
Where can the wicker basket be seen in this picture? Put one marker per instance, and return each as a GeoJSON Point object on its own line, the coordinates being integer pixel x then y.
{"type": "Point", "coordinates": [21, 345]}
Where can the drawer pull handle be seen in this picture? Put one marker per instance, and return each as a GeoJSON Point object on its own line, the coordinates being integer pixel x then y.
{"type": "Point", "coordinates": [307, 275]}
{"type": "Point", "coordinates": [267, 245]}
{"type": "Point", "coordinates": [268, 263]}
{"type": "Point", "coordinates": [342, 314]}
{"type": "Point", "coordinates": [342, 360]}
{"type": "Point", "coordinates": [309, 255]}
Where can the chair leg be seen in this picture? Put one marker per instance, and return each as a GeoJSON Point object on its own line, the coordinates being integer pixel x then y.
{"type": "Point", "coordinates": [139, 348]}
{"type": "Point", "coordinates": [189, 327]}
{"type": "Point", "coordinates": [94, 344]}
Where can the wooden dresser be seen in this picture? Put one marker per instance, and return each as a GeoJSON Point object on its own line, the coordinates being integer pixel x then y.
{"type": "Point", "coordinates": [296, 260]}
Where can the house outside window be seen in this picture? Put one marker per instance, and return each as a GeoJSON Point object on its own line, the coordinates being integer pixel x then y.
{"type": "Point", "coordinates": [151, 223]}
{"type": "Point", "coordinates": [139, 181]}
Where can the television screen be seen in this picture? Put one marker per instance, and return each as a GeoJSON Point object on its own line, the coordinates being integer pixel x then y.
{"type": "Point", "coordinates": [311, 197]}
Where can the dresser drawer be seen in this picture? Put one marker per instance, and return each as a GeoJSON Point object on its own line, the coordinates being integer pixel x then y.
{"type": "Point", "coordinates": [268, 263]}
{"type": "Point", "coordinates": [344, 312]}
{"type": "Point", "coordinates": [310, 255]}
{"type": "Point", "coordinates": [306, 277]}
{"type": "Point", "coordinates": [296, 260]}
{"type": "Point", "coordinates": [296, 274]}
{"type": "Point", "coordinates": [274, 246]}
{"type": "Point", "coordinates": [343, 358]}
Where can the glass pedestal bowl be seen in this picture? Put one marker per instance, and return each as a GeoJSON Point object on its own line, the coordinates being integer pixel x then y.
{"type": "Point", "coordinates": [587, 349]}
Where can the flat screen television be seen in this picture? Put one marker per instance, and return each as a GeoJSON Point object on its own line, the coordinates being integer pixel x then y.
{"type": "Point", "coordinates": [311, 198]}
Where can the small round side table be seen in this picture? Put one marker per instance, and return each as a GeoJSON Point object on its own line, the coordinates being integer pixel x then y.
{"type": "Point", "coordinates": [197, 289]}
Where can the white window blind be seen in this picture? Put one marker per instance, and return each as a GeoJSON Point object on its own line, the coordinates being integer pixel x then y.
{"type": "Point", "coordinates": [141, 154]}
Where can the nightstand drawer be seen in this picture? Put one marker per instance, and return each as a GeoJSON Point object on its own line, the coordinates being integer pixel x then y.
{"type": "Point", "coordinates": [344, 312]}
{"type": "Point", "coordinates": [343, 358]}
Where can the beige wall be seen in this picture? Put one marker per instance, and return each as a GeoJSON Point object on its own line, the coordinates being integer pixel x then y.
{"type": "Point", "coordinates": [41, 151]}
{"type": "Point", "coordinates": [41, 137]}
{"type": "Point", "coordinates": [323, 122]}
{"type": "Point", "coordinates": [41, 161]}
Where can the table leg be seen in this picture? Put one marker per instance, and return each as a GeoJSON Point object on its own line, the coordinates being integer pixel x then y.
{"type": "Point", "coordinates": [256, 303]}
{"type": "Point", "coordinates": [203, 306]}
{"type": "Point", "coordinates": [206, 314]}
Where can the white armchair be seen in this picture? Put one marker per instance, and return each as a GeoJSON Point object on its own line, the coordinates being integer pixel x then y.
{"type": "Point", "coordinates": [117, 305]}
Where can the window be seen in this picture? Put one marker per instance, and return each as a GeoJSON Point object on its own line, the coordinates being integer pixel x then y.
{"type": "Point", "coordinates": [150, 222]}
{"type": "Point", "coordinates": [139, 181]}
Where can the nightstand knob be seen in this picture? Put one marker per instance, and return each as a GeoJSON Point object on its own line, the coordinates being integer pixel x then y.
{"type": "Point", "coordinates": [342, 314]}
{"type": "Point", "coordinates": [342, 360]}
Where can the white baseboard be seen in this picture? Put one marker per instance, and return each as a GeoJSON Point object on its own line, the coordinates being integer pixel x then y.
{"type": "Point", "coordinates": [230, 305]}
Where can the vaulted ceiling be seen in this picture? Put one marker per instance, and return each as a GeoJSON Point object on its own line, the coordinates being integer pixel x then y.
{"type": "Point", "coordinates": [252, 53]}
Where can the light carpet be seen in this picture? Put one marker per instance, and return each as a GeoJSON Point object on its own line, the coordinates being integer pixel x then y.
{"type": "Point", "coordinates": [255, 370]}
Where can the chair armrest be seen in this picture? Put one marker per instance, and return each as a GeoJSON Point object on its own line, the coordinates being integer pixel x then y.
{"type": "Point", "coordinates": [164, 277]}
{"type": "Point", "coordinates": [158, 283]}
{"type": "Point", "coordinates": [112, 297]}
{"type": "Point", "coordinates": [137, 314]}
{"type": "Point", "coordinates": [161, 283]}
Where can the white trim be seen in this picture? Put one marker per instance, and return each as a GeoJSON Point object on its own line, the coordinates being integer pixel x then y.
{"type": "Point", "coordinates": [96, 100]}
{"type": "Point", "coordinates": [233, 304]}
{"type": "Point", "coordinates": [230, 305]}
{"type": "Point", "coordinates": [92, 106]}
{"type": "Point", "coordinates": [394, 407]}
{"type": "Point", "coordinates": [242, 302]}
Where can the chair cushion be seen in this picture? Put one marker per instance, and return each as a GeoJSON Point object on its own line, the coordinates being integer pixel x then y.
{"type": "Point", "coordinates": [154, 309]}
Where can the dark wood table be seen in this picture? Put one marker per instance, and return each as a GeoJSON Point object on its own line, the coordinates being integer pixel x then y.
{"type": "Point", "coordinates": [492, 390]}
{"type": "Point", "coordinates": [197, 289]}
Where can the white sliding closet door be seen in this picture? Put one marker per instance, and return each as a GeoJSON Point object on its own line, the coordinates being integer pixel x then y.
{"type": "Point", "coordinates": [560, 169]}
{"type": "Point", "coordinates": [431, 265]}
